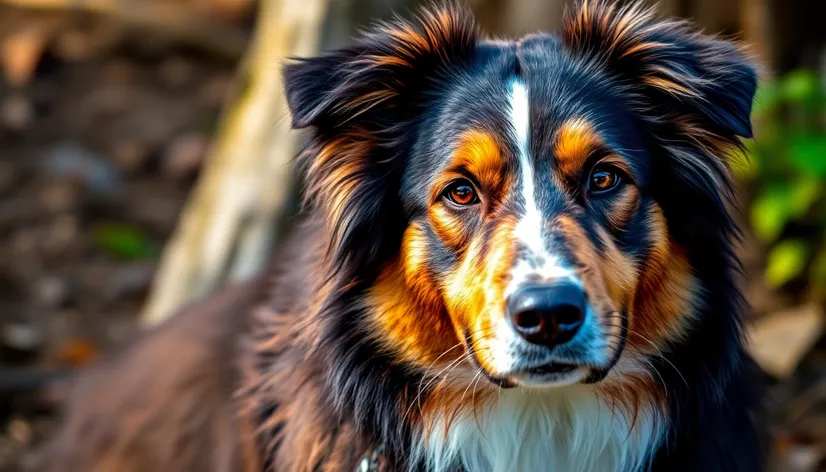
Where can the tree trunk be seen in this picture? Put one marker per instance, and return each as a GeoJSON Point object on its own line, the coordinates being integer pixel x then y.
{"type": "Point", "coordinates": [755, 17]}
{"type": "Point", "coordinates": [228, 227]}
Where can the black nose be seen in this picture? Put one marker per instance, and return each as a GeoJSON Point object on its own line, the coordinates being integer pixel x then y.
{"type": "Point", "coordinates": [549, 315]}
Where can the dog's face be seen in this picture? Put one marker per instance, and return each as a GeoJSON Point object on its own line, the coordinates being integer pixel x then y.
{"type": "Point", "coordinates": [531, 218]}
{"type": "Point", "coordinates": [515, 202]}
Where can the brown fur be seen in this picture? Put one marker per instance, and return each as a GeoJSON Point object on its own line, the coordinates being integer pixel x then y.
{"type": "Point", "coordinates": [297, 428]}
{"type": "Point", "coordinates": [165, 403]}
{"type": "Point", "coordinates": [241, 380]}
{"type": "Point", "coordinates": [184, 397]}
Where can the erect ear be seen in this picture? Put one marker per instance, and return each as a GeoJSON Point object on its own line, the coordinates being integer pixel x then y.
{"type": "Point", "coordinates": [361, 102]}
{"type": "Point", "coordinates": [709, 80]}
{"type": "Point", "coordinates": [389, 62]}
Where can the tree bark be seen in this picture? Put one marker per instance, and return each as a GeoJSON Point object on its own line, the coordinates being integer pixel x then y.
{"type": "Point", "coordinates": [755, 18]}
{"type": "Point", "coordinates": [229, 224]}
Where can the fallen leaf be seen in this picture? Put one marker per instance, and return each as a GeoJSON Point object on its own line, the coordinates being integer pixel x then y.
{"type": "Point", "coordinates": [21, 50]}
{"type": "Point", "coordinates": [78, 353]}
{"type": "Point", "coordinates": [780, 340]}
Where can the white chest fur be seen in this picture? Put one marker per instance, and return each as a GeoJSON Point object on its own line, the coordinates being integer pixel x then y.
{"type": "Point", "coordinates": [565, 430]}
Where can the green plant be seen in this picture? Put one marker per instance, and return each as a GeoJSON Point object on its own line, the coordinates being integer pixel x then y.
{"type": "Point", "coordinates": [123, 241]}
{"type": "Point", "coordinates": [786, 171]}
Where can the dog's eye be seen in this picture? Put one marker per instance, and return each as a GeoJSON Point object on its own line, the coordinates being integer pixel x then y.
{"type": "Point", "coordinates": [603, 179]}
{"type": "Point", "coordinates": [461, 192]}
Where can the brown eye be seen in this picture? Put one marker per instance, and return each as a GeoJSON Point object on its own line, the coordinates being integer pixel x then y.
{"type": "Point", "coordinates": [461, 192]}
{"type": "Point", "coordinates": [603, 179]}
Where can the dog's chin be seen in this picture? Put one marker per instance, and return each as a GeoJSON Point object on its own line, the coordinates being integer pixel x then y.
{"type": "Point", "coordinates": [550, 375]}
{"type": "Point", "coordinates": [553, 375]}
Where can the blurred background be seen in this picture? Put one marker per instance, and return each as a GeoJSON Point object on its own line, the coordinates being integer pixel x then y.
{"type": "Point", "coordinates": [145, 159]}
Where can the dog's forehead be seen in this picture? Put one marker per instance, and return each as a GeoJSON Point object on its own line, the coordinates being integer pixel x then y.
{"type": "Point", "coordinates": [559, 90]}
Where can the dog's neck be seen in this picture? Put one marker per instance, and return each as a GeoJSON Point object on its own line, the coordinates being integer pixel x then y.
{"type": "Point", "coordinates": [610, 426]}
{"type": "Point", "coordinates": [571, 429]}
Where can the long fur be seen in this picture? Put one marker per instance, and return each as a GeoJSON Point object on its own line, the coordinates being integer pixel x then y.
{"type": "Point", "coordinates": [378, 328]}
{"type": "Point", "coordinates": [574, 431]}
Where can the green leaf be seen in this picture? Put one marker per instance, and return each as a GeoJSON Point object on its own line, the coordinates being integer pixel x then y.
{"type": "Point", "coordinates": [769, 214]}
{"type": "Point", "coordinates": [808, 154]}
{"type": "Point", "coordinates": [766, 99]}
{"type": "Point", "coordinates": [785, 262]}
{"type": "Point", "coordinates": [801, 86]}
{"type": "Point", "coordinates": [745, 168]}
{"type": "Point", "coordinates": [804, 193]}
{"type": "Point", "coordinates": [123, 241]}
{"type": "Point", "coordinates": [780, 203]}
{"type": "Point", "coordinates": [765, 150]}
{"type": "Point", "coordinates": [818, 270]}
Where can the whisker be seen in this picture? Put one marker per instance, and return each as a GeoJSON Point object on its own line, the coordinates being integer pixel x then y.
{"type": "Point", "coordinates": [659, 353]}
{"type": "Point", "coordinates": [421, 390]}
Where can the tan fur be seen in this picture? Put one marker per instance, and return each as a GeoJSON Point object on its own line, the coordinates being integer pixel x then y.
{"type": "Point", "coordinates": [236, 382]}
{"type": "Point", "coordinates": [574, 142]}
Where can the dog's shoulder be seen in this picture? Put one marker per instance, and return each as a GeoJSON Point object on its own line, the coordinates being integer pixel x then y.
{"type": "Point", "coordinates": [162, 403]}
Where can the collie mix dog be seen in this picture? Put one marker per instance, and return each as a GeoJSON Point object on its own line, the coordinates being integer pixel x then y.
{"type": "Point", "coordinates": [516, 256]}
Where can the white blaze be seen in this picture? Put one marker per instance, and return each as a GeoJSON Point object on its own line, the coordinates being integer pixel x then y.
{"type": "Point", "coordinates": [530, 226]}
{"type": "Point", "coordinates": [539, 261]}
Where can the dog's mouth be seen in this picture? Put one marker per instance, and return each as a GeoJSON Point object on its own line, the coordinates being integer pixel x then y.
{"type": "Point", "coordinates": [551, 368]}
{"type": "Point", "coordinates": [502, 382]}
{"type": "Point", "coordinates": [556, 372]}
{"type": "Point", "coordinates": [549, 373]}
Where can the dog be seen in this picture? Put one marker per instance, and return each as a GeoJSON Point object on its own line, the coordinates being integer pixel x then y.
{"type": "Point", "coordinates": [514, 255]}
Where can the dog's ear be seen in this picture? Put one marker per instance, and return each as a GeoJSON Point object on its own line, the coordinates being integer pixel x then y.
{"type": "Point", "coordinates": [362, 102]}
{"type": "Point", "coordinates": [386, 65]}
{"type": "Point", "coordinates": [709, 80]}
{"type": "Point", "coordinates": [694, 92]}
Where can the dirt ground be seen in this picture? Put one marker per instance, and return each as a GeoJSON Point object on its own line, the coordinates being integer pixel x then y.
{"type": "Point", "coordinates": [98, 150]}
{"type": "Point", "coordinates": [99, 147]}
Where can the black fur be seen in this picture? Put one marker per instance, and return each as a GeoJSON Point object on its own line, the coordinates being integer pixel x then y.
{"type": "Point", "coordinates": [289, 372]}
{"type": "Point", "coordinates": [712, 393]}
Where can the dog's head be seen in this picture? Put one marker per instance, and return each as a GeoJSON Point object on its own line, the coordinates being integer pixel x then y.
{"type": "Point", "coordinates": [527, 206]}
